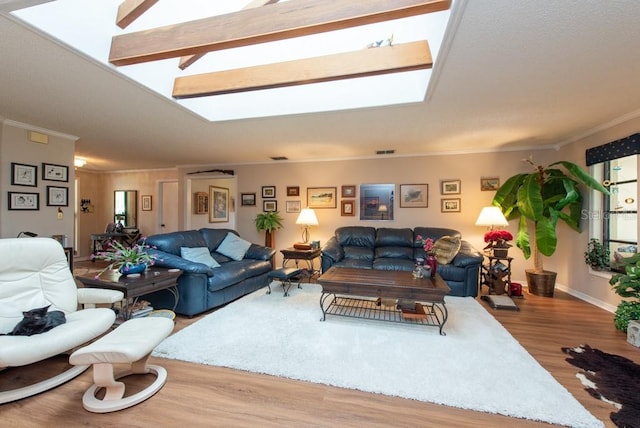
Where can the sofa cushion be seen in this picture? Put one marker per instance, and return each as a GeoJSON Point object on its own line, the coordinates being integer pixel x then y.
{"type": "Point", "coordinates": [446, 248]}
{"type": "Point", "coordinates": [388, 237]}
{"type": "Point", "coordinates": [394, 252]}
{"type": "Point", "coordinates": [356, 236]}
{"type": "Point", "coordinates": [233, 246]}
{"type": "Point", "coordinates": [199, 255]}
{"type": "Point", "coordinates": [359, 253]}
{"type": "Point", "coordinates": [434, 233]}
{"type": "Point", "coordinates": [173, 241]}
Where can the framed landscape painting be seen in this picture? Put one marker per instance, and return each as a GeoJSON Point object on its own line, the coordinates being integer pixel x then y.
{"type": "Point", "coordinates": [450, 205]}
{"type": "Point", "coordinates": [321, 197]}
{"type": "Point", "coordinates": [450, 187]}
{"type": "Point", "coordinates": [248, 199]}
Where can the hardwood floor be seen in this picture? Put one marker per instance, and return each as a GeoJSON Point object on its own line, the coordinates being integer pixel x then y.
{"type": "Point", "coordinates": [197, 395]}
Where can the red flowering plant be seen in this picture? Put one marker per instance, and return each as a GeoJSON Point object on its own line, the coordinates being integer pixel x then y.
{"type": "Point", "coordinates": [427, 244]}
{"type": "Point", "coordinates": [498, 239]}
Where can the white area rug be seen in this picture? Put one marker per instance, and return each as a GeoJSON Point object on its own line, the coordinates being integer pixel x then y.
{"type": "Point", "coordinates": [478, 365]}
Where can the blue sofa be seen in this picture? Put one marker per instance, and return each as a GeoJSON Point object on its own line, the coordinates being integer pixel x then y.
{"type": "Point", "coordinates": [397, 249]}
{"type": "Point", "coordinates": [201, 287]}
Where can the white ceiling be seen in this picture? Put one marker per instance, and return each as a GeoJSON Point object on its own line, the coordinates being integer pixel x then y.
{"type": "Point", "coordinates": [516, 74]}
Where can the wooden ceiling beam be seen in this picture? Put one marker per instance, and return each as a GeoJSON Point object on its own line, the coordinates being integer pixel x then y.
{"type": "Point", "coordinates": [251, 26]}
{"type": "Point", "coordinates": [130, 10]}
{"type": "Point", "coordinates": [366, 62]}
{"type": "Point", "coordinates": [186, 61]}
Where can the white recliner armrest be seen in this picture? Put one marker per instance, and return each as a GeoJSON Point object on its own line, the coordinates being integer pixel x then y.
{"type": "Point", "coordinates": [89, 297]}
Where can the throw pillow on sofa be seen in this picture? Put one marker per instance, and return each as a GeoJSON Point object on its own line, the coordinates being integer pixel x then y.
{"type": "Point", "coordinates": [199, 255]}
{"type": "Point", "coordinates": [233, 246]}
{"type": "Point", "coordinates": [446, 248]}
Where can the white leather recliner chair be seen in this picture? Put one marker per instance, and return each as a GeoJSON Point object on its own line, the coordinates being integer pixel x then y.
{"type": "Point", "coordinates": [34, 273]}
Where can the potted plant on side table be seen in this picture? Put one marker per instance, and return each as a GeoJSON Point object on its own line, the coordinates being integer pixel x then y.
{"type": "Point", "coordinates": [543, 197]}
{"type": "Point", "coordinates": [597, 255]}
{"type": "Point", "coordinates": [128, 260]}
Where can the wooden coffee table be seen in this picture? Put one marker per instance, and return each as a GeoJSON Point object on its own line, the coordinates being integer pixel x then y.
{"type": "Point", "coordinates": [344, 292]}
{"type": "Point", "coordinates": [133, 286]}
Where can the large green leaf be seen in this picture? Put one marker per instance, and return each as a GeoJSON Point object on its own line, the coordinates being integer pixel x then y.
{"type": "Point", "coordinates": [522, 238]}
{"type": "Point", "coordinates": [506, 196]}
{"type": "Point", "coordinates": [582, 176]}
{"type": "Point", "coordinates": [530, 198]}
{"type": "Point", "coordinates": [546, 239]}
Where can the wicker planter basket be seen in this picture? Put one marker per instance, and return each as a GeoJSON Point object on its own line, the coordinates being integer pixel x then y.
{"type": "Point", "coordinates": [541, 283]}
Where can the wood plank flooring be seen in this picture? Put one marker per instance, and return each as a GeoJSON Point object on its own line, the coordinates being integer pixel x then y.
{"type": "Point", "coordinates": [197, 395]}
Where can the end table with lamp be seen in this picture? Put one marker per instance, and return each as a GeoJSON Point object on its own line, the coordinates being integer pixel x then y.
{"type": "Point", "coordinates": [495, 274]}
{"type": "Point", "coordinates": [304, 250]}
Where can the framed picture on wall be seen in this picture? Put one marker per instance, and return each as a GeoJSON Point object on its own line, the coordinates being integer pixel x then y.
{"type": "Point", "coordinates": [450, 205]}
{"type": "Point", "coordinates": [57, 196]}
{"type": "Point", "coordinates": [247, 199]}
{"type": "Point", "coordinates": [268, 206]}
{"type": "Point", "coordinates": [450, 187]}
{"type": "Point", "coordinates": [349, 191]}
{"type": "Point", "coordinates": [24, 175]}
{"type": "Point", "coordinates": [24, 201]}
{"type": "Point", "coordinates": [218, 204]}
{"type": "Point", "coordinates": [322, 197]}
{"type": "Point", "coordinates": [146, 202]}
{"type": "Point", "coordinates": [492, 183]}
{"type": "Point", "coordinates": [414, 195]}
{"type": "Point", "coordinates": [268, 191]}
{"type": "Point", "coordinates": [348, 208]}
{"type": "Point", "coordinates": [293, 190]}
{"type": "Point", "coordinates": [293, 206]}
{"type": "Point", "coordinates": [53, 172]}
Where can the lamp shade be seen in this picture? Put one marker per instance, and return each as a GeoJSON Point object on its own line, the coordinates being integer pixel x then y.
{"type": "Point", "coordinates": [307, 217]}
{"type": "Point", "coordinates": [491, 216]}
{"type": "Point", "coordinates": [383, 208]}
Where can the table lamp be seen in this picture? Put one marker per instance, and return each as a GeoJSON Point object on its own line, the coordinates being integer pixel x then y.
{"type": "Point", "coordinates": [382, 209]}
{"type": "Point", "coordinates": [307, 218]}
{"type": "Point", "coordinates": [491, 216]}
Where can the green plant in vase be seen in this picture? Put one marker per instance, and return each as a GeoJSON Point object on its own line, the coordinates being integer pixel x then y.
{"type": "Point", "coordinates": [627, 285]}
{"type": "Point", "coordinates": [269, 222]}
{"type": "Point", "coordinates": [541, 198]}
{"type": "Point", "coordinates": [124, 258]}
{"type": "Point", "coordinates": [597, 255]}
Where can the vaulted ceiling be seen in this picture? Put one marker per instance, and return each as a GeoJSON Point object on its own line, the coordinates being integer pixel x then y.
{"type": "Point", "coordinates": [514, 74]}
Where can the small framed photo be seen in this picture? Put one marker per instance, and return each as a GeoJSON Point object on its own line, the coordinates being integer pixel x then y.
{"type": "Point", "coordinates": [268, 191]}
{"type": "Point", "coordinates": [248, 199]}
{"type": "Point", "coordinates": [450, 205]}
{"type": "Point", "coordinates": [348, 208]}
{"type": "Point", "coordinates": [54, 172]}
{"type": "Point", "coordinates": [293, 190]}
{"type": "Point", "coordinates": [24, 201]}
{"type": "Point", "coordinates": [218, 204]}
{"type": "Point", "coordinates": [349, 191]}
{"type": "Point", "coordinates": [24, 175]}
{"type": "Point", "coordinates": [293, 206]}
{"type": "Point", "coordinates": [491, 183]}
{"type": "Point", "coordinates": [57, 196]}
{"type": "Point", "coordinates": [414, 195]}
{"type": "Point", "coordinates": [268, 206]}
{"type": "Point", "coordinates": [146, 202]}
{"type": "Point", "coordinates": [321, 197]}
{"type": "Point", "coordinates": [450, 187]}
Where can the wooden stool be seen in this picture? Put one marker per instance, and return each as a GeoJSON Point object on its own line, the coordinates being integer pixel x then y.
{"type": "Point", "coordinates": [131, 343]}
{"type": "Point", "coordinates": [285, 276]}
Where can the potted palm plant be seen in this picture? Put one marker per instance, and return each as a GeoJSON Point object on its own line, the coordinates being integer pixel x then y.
{"type": "Point", "coordinates": [269, 222]}
{"type": "Point", "coordinates": [541, 198]}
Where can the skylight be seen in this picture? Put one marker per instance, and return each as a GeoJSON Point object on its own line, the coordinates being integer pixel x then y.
{"type": "Point", "coordinates": [89, 26]}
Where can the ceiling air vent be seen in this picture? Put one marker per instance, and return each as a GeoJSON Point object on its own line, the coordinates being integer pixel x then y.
{"type": "Point", "coordinates": [279, 158]}
{"type": "Point", "coordinates": [385, 152]}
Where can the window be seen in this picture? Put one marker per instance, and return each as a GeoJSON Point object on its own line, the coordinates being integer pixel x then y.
{"type": "Point", "coordinates": [618, 226]}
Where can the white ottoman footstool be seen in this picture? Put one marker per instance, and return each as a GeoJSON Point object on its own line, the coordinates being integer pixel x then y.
{"type": "Point", "coordinates": [131, 343]}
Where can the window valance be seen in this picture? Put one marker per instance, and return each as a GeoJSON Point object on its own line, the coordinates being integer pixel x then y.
{"type": "Point", "coordinates": [616, 149]}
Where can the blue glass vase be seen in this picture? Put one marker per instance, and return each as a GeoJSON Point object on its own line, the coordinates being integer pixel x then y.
{"type": "Point", "coordinates": [128, 270]}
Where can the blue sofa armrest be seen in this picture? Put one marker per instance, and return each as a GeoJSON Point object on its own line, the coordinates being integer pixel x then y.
{"type": "Point", "coordinates": [467, 256]}
{"type": "Point", "coordinates": [172, 261]}
{"type": "Point", "coordinates": [259, 252]}
{"type": "Point", "coordinates": [332, 252]}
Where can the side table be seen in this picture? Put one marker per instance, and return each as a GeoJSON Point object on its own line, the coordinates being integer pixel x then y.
{"type": "Point", "coordinates": [496, 275]}
{"type": "Point", "coordinates": [133, 286]}
{"type": "Point", "coordinates": [295, 255]}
